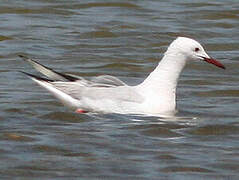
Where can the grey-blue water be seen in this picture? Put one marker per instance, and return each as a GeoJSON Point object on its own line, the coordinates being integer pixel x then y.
{"type": "Point", "coordinates": [41, 139]}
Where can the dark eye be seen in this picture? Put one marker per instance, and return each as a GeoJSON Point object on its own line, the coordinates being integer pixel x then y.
{"type": "Point", "coordinates": [196, 49]}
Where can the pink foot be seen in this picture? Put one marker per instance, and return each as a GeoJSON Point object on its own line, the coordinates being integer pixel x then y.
{"type": "Point", "coordinates": [80, 111]}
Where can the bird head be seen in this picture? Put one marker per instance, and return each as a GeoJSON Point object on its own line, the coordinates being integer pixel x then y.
{"type": "Point", "coordinates": [192, 51]}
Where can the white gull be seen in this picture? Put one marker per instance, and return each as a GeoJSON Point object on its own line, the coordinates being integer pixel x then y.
{"type": "Point", "coordinates": [156, 95]}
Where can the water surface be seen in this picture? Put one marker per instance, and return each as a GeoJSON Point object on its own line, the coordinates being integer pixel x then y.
{"type": "Point", "coordinates": [41, 139]}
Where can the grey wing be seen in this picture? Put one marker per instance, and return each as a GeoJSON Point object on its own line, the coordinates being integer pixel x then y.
{"type": "Point", "coordinates": [69, 88]}
{"type": "Point", "coordinates": [48, 72]}
{"type": "Point", "coordinates": [99, 81]}
{"type": "Point", "coordinates": [118, 93]}
{"type": "Point", "coordinates": [74, 89]}
{"type": "Point", "coordinates": [107, 80]}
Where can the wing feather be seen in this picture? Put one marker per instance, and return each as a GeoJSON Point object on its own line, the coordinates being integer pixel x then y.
{"type": "Point", "coordinates": [48, 72]}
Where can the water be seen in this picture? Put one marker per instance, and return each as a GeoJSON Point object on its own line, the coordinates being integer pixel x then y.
{"type": "Point", "coordinates": [41, 139]}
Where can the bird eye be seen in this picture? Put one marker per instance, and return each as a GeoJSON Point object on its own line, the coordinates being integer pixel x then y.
{"type": "Point", "coordinates": [196, 49]}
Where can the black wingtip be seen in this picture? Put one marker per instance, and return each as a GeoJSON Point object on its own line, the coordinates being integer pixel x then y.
{"type": "Point", "coordinates": [65, 76]}
{"type": "Point", "coordinates": [23, 56]}
{"type": "Point", "coordinates": [36, 77]}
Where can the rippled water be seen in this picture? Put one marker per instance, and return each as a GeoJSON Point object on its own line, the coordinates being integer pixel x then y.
{"type": "Point", "coordinates": [41, 139]}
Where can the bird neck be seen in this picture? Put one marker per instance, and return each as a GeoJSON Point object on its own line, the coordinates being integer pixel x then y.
{"type": "Point", "coordinates": [159, 88]}
{"type": "Point", "coordinates": [166, 74]}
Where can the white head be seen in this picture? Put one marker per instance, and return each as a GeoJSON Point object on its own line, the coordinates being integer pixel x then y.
{"type": "Point", "coordinates": [191, 50]}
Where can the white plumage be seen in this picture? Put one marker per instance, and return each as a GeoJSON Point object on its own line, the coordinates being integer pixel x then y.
{"type": "Point", "coordinates": [156, 95]}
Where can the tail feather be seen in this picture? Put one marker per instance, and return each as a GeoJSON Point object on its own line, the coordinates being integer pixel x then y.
{"type": "Point", "coordinates": [66, 99]}
{"type": "Point", "coordinates": [50, 73]}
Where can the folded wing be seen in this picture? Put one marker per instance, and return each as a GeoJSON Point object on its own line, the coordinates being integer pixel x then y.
{"type": "Point", "coordinates": [74, 91]}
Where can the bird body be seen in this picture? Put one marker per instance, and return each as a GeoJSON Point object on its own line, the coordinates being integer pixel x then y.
{"type": "Point", "coordinates": [156, 95]}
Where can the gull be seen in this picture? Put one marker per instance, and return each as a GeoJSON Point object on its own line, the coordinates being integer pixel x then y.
{"type": "Point", "coordinates": [156, 95]}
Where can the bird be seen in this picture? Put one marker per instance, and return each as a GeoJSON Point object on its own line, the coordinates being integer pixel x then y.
{"type": "Point", "coordinates": [156, 95]}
